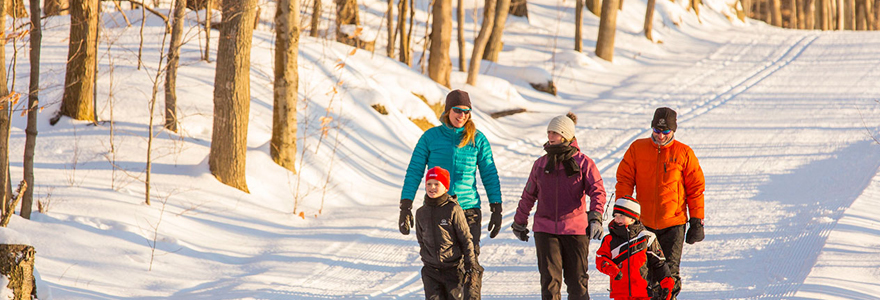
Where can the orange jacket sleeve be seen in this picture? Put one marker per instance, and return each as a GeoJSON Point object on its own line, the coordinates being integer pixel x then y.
{"type": "Point", "coordinates": [626, 175]}
{"type": "Point", "coordinates": [694, 185]}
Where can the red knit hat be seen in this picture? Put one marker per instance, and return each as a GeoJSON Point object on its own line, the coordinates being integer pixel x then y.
{"type": "Point", "coordinates": [440, 174]}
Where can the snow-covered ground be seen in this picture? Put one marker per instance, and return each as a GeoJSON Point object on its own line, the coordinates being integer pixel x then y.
{"type": "Point", "coordinates": [782, 121]}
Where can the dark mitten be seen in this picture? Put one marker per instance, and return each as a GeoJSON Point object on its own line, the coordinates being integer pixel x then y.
{"type": "Point", "coordinates": [695, 232]}
{"type": "Point", "coordinates": [406, 218]}
{"type": "Point", "coordinates": [520, 231]}
{"type": "Point", "coordinates": [594, 231]}
{"type": "Point", "coordinates": [495, 220]}
{"type": "Point", "coordinates": [666, 288]}
{"type": "Point", "coordinates": [610, 269]}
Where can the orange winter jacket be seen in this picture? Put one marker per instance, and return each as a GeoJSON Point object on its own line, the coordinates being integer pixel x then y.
{"type": "Point", "coordinates": [668, 182]}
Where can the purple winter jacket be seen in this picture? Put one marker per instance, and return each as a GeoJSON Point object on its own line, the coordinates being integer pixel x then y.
{"type": "Point", "coordinates": [562, 208]}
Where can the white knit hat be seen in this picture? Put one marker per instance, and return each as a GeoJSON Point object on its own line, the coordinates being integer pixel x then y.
{"type": "Point", "coordinates": [627, 206]}
{"type": "Point", "coordinates": [563, 125]}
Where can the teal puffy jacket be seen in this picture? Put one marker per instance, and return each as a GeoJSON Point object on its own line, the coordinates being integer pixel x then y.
{"type": "Point", "coordinates": [439, 147]}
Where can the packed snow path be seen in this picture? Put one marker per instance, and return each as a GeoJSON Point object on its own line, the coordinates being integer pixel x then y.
{"type": "Point", "coordinates": [777, 123]}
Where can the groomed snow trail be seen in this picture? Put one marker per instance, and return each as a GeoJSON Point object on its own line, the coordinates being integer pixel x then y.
{"type": "Point", "coordinates": [775, 121]}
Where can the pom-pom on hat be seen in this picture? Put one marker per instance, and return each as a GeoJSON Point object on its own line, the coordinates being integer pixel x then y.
{"type": "Point", "coordinates": [563, 125]}
{"type": "Point", "coordinates": [440, 174]}
{"type": "Point", "coordinates": [627, 206]}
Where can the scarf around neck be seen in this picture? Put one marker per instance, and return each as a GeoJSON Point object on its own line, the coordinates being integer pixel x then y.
{"type": "Point", "coordinates": [561, 153]}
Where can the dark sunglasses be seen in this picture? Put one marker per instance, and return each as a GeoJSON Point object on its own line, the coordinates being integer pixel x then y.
{"type": "Point", "coordinates": [667, 131]}
{"type": "Point", "coordinates": [461, 110]}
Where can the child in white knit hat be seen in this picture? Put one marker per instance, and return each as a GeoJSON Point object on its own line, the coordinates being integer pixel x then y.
{"type": "Point", "coordinates": [627, 250]}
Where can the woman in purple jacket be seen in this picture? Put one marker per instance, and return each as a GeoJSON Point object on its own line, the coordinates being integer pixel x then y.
{"type": "Point", "coordinates": [561, 181]}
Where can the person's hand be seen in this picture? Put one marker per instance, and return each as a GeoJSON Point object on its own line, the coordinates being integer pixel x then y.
{"type": "Point", "coordinates": [495, 220]}
{"type": "Point", "coordinates": [611, 270]}
{"type": "Point", "coordinates": [595, 230]}
{"type": "Point", "coordinates": [695, 232]}
{"type": "Point", "coordinates": [666, 288]}
{"type": "Point", "coordinates": [406, 218]}
{"type": "Point", "coordinates": [520, 231]}
{"type": "Point", "coordinates": [473, 268]}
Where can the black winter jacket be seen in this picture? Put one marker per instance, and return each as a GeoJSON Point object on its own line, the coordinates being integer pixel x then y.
{"type": "Point", "coordinates": [443, 234]}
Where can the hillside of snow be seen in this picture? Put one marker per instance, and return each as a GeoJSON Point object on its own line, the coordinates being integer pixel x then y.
{"type": "Point", "coordinates": [784, 123]}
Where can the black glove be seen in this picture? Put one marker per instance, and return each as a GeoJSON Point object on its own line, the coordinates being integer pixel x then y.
{"type": "Point", "coordinates": [495, 220]}
{"type": "Point", "coordinates": [473, 268]}
{"type": "Point", "coordinates": [594, 231]}
{"type": "Point", "coordinates": [695, 232]}
{"type": "Point", "coordinates": [520, 231]}
{"type": "Point", "coordinates": [619, 276]}
{"type": "Point", "coordinates": [406, 218]}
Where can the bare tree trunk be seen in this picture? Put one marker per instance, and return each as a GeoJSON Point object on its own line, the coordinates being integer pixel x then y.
{"type": "Point", "coordinates": [461, 44]}
{"type": "Point", "coordinates": [439, 64]}
{"type": "Point", "coordinates": [316, 16]}
{"type": "Point", "coordinates": [776, 11]}
{"type": "Point", "coordinates": [861, 16]}
{"type": "Point", "coordinates": [208, 11]}
{"type": "Point", "coordinates": [801, 17]}
{"type": "Point", "coordinates": [607, 28]}
{"type": "Point", "coordinates": [578, 25]}
{"type": "Point", "coordinates": [5, 117]}
{"type": "Point", "coordinates": [519, 8]}
{"type": "Point", "coordinates": [78, 83]}
{"type": "Point", "coordinates": [747, 8]}
{"type": "Point", "coordinates": [173, 63]}
{"type": "Point", "coordinates": [869, 15]}
{"type": "Point", "coordinates": [389, 15]}
{"type": "Point", "coordinates": [793, 16]}
{"type": "Point", "coordinates": [32, 110]}
{"type": "Point", "coordinates": [595, 7]}
{"type": "Point", "coordinates": [495, 45]}
{"type": "Point", "coordinates": [876, 11]}
{"type": "Point", "coordinates": [841, 14]}
{"type": "Point", "coordinates": [649, 19]}
{"type": "Point", "coordinates": [850, 8]}
{"type": "Point", "coordinates": [809, 14]}
{"type": "Point", "coordinates": [480, 41]}
{"type": "Point", "coordinates": [232, 94]}
{"type": "Point", "coordinates": [403, 10]}
{"type": "Point", "coordinates": [56, 7]}
{"type": "Point", "coordinates": [824, 14]}
{"type": "Point", "coordinates": [283, 145]}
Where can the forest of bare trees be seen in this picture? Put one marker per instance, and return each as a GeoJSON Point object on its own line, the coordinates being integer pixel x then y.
{"type": "Point", "coordinates": [239, 18]}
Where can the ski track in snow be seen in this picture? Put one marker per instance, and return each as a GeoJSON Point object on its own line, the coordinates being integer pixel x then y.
{"type": "Point", "coordinates": [735, 69]}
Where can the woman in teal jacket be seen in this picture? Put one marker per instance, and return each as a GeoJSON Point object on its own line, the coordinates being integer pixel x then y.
{"type": "Point", "coordinates": [459, 147]}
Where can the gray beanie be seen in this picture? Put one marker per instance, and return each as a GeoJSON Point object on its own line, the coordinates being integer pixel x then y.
{"type": "Point", "coordinates": [563, 125]}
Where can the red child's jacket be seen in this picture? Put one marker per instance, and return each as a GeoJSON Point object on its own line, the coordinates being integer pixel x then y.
{"type": "Point", "coordinates": [634, 260]}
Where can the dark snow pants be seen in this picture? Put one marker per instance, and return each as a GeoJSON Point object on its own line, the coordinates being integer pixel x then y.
{"type": "Point", "coordinates": [473, 282]}
{"type": "Point", "coordinates": [442, 284]}
{"type": "Point", "coordinates": [671, 241]}
{"type": "Point", "coordinates": [563, 256]}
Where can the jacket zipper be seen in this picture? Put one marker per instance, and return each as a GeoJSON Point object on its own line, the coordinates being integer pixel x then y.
{"type": "Point", "coordinates": [659, 177]}
{"type": "Point", "coordinates": [629, 261]}
{"type": "Point", "coordinates": [556, 220]}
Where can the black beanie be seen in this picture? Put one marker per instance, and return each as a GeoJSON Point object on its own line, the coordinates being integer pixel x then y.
{"type": "Point", "coordinates": [664, 118]}
{"type": "Point", "coordinates": [456, 98]}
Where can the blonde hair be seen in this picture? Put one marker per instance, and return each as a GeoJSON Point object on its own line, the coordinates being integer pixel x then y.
{"type": "Point", "coordinates": [470, 130]}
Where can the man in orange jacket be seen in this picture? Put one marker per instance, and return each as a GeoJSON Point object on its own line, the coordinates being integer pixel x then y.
{"type": "Point", "coordinates": [666, 177]}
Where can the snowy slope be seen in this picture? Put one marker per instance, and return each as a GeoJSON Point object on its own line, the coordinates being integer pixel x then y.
{"type": "Point", "coordinates": [782, 122]}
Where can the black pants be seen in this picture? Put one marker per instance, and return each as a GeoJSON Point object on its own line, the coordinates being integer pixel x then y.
{"type": "Point", "coordinates": [474, 281]}
{"type": "Point", "coordinates": [671, 240]}
{"type": "Point", "coordinates": [442, 284]}
{"type": "Point", "coordinates": [563, 256]}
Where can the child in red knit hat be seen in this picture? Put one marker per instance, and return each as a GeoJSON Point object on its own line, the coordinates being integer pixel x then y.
{"type": "Point", "coordinates": [444, 239]}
